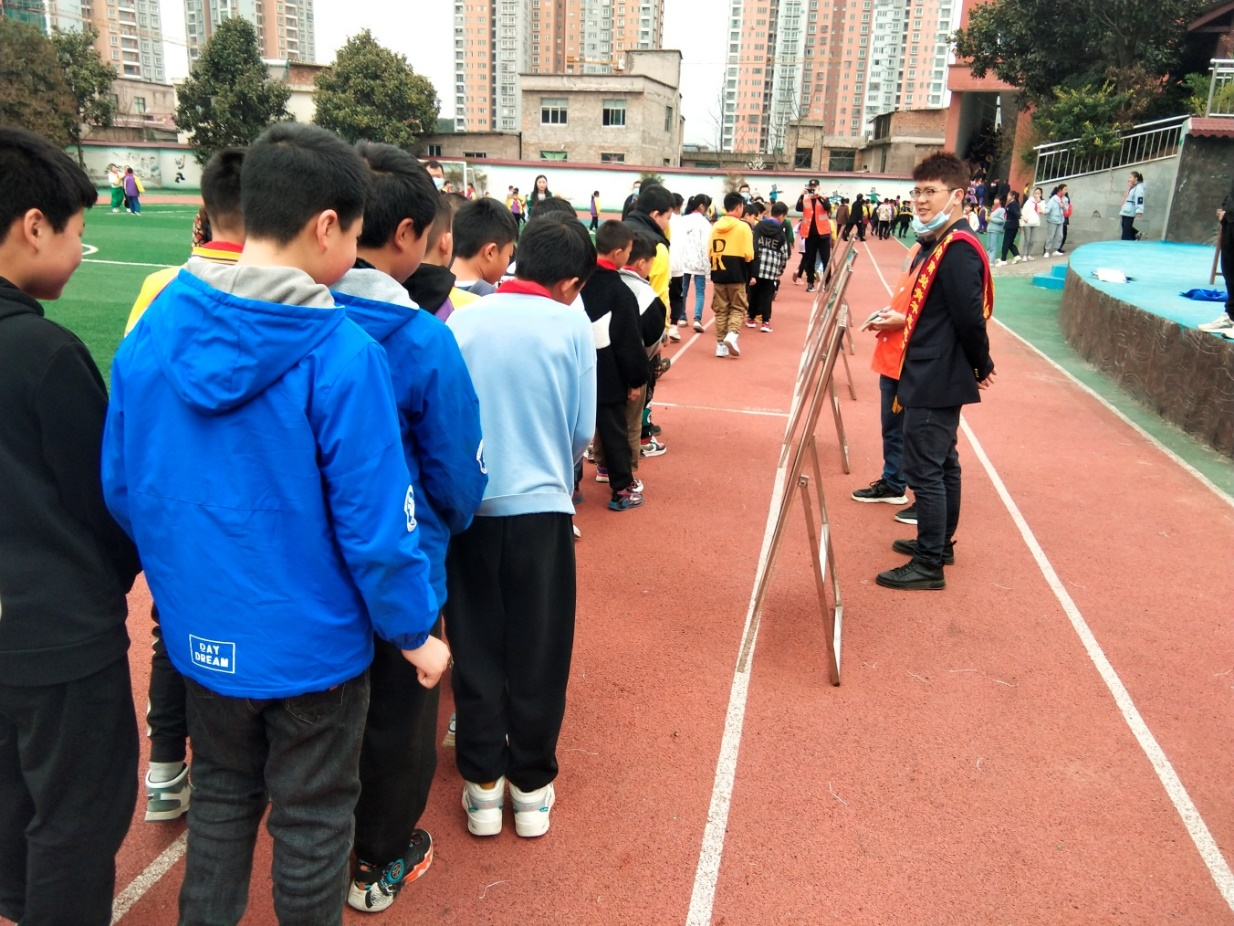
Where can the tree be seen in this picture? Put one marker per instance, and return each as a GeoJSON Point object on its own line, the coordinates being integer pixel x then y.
{"type": "Point", "coordinates": [229, 98]}
{"type": "Point", "coordinates": [34, 93]}
{"type": "Point", "coordinates": [1036, 46]}
{"type": "Point", "coordinates": [89, 80]}
{"type": "Point", "coordinates": [372, 93]}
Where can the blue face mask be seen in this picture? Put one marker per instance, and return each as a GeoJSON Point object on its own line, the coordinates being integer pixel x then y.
{"type": "Point", "coordinates": [941, 220]}
{"type": "Point", "coordinates": [439, 182]}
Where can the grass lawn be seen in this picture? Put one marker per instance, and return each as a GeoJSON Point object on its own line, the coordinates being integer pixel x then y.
{"type": "Point", "coordinates": [96, 303]}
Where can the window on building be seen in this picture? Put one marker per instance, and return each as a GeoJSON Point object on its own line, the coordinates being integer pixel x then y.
{"type": "Point", "coordinates": [612, 157]}
{"type": "Point", "coordinates": [553, 112]}
{"type": "Point", "coordinates": [841, 161]}
{"type": "Point", "coordinates": [614, 113]}
{"type": "Point", "coordinates": [434, 151]}
{"type": "Point", "coordinates": [552, 155]}
{"type": "Point", "coordinates": [802, 158]}
{"type": "Point", "coordinates": [668, 118]}
{"type": "Point", "coordinates": [139, 104]}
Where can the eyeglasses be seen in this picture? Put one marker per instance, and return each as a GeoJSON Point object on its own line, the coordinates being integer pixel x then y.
{"type": "Point", "coordinates": [927, 192]}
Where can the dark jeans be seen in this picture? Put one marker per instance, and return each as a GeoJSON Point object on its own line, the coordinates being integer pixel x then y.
{"type": "Point", "coordinates": [510, 621]}
{"type": "Point", "coordinates": [818, 250]}
{"type": "Point", "coordinates": [1128, 227]}
{"type": "Point", "coordinates": [1009, 247]}
{"type": "Point", "coordinates": [932, 470]}
{"type": "Point", "coordinates": [595, 222]}
{"type": "Point", "coordinates": [676, 300]}
{"type": "Point", "coordinates": [68, 786]}
{"type": "Point", "coordinates": [893, 434]}
{"type": "Point", "coordinates": [398, 757]}
{"type": "Point", "coordinates": [1227, 263]}
{"type": "Point", "coordinates": [166, 717]}
{"type": "Point", "coordinates": [300, 755]}
{"type": "Point", "coordinates": [762, 295]}
{"type": "Point", "coordinates": [613, 434]}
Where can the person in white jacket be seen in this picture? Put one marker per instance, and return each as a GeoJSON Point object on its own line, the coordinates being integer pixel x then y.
{"type": "Point", "coordinates": [1133, 206]}
{"type": "Point", "coordinates": [1030, 221]}
{"type": "Point", "coordinates": [690, 243]}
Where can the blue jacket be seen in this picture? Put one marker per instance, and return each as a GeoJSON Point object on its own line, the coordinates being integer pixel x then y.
{"type": "Point", "coordinates": [533, 362]}
{"type": "Point", "coordinates": [438, 412]}
{"type": "Point", "coordinates": [252, 452]}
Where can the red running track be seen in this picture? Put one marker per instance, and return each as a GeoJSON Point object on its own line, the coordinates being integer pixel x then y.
{"type": "Point", "coordinates": [974, 767]}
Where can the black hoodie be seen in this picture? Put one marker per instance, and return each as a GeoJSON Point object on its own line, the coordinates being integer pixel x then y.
{"type": "Point", "coordinates": [65, 565]}
{"type": "Point", "coordinates": [430, 287]}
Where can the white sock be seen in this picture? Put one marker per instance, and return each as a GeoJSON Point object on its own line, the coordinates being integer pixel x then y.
{"type": "Point", "coordinates": [161, 772]}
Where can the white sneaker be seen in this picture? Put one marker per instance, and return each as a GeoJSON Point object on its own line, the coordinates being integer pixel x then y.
{"type": "Point", "coordinates": [721, 350]}
{"type": "Point", "coordinates": [1016, 260]}
{"type": "Point", "coordinates": [484, 807]}
{"type": "Point", "coordinates": [674, 334]}
{"type": "Point", "coordinates": [531, 810]}
{"type": "Point", "coordinates": [168, 800]}
{"type": "Point", "coordinates": [1220, 323]}
{"type": "Point", "coordinates": [731, 340]}
{"type": "Point", "coordinates": [1000, 263]}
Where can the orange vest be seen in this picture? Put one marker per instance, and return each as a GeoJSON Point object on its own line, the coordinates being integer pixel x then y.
{"type": "Point", "coordinates": [889, 349]}
{"type": "Point", "coordinates": [813, 211]}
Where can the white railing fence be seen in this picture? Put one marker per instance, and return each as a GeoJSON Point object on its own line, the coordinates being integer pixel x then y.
{"type": "Point", "coordinates": [1149, 141]}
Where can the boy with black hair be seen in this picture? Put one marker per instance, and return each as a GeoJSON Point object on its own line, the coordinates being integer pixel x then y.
{"type": "Point", "coordinates": [732, 254]}
{"type": "Point", "coordinates": [68, 738]}
{"type": "Point", "coordinates": [253, 452]}
{"type": "Point", "coordinates": [652, 313]}
{"type": "Point", "coordinates": [484, 236]}
{"type": "Point", "coordinates": [167, 779]}
{"type": "Point", "coordinates": [430, 286]}
{"type": "Point", "coordinates": [651, 214]}
{"type": "Point", "coordinates": [621, 363]}
{"type": "Point", "coordinates": [771, 252]}
{"type": "Point", "coordinates": [511, 575]}
{"type": "Point", "coordinates": [439, 417]}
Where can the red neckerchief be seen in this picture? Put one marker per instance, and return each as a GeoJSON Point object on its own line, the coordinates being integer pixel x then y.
{"type": "Point", "coordinates": [606, 264]}
{"type": "Point", "coordinates": [524, 288]}
{"type": "Point", "coordinates": [218, 245]}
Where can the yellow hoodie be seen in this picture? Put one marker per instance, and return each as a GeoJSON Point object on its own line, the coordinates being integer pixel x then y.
{"type": "Point", "coordinates": [732, 250]}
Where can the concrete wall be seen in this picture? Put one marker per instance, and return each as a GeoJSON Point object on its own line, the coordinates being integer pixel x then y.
{"type": "Point", "coordinates": [157, 165]}
{"type": "Point", "coordinates": [1097, 198]}
{"type": "Point", "coordinates": [1205, 168]}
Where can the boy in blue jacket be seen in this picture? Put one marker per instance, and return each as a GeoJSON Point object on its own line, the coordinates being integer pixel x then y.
{"type": "Point", "coordinates": [439, 417]}
{"type": "Point", "coordinates": [253, 453]}
{"type": "Point", "coordinates": [510, 614]}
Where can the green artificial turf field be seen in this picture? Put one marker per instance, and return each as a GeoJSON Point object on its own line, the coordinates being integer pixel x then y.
{"type": "Point", "coordinates": [96, 303]}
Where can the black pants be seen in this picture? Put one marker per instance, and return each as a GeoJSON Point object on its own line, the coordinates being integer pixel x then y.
{"type": "Point", "coordinates": [510, 621]}
{"type": "Point", "coordinates": [1009, 233]}
{"type": "Point", "coordinates": [595, 222]}
{"type": "Point", "coordinates": [762, 295]}
{"type": "Point", "coordinates": [615, 440]}
{"type": "Point", "coordinates": [818, 250]}
{"type": "Point", "coordinates": [1066, 225]}
{"type": "Point", "coordinates": [1227, 262]}
{"type": "Point", "coordinates": [676, 300]}
{"type": "Point", "coordinates": [1128, 228]}
{"type": "Point", "coordinates": [166, 716]}
{"type": "Point", "coordinates": [68, 786]}
{"type": "Point", "coordinates": [932, 471]}
{"type": "Point", "coordinates": [398, 756]}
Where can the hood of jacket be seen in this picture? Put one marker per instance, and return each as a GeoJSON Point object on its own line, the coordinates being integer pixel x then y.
{"type": "Point", "coordinates": [769, 228]}
{"type": "Point", "coordinates": [236, 330]}
{"type": "Point", "coordinates": [375, 301]}
{"type": "Point", "coordinates": [14, 302]}
{"type": "Point", "coordinates": [430, 286]}
{"type": "Point", "coordinates": [643, 221]}
{"type": "Point", "coordinates": [727, 223]}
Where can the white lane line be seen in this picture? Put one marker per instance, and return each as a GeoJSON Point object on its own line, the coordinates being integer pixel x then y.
{"type": "Point", "coordinates": [767, 412]}
{"type": "Point", "coordinates": [1217, 490]}
{"type": "Point", "coordinates": [125, 263]}
{"type": "Point", "coordinates": [707, 874]}
{"type": "Point", "coordinates": [137, 888]}
{"type": "Point", "coordinates": [1203, 839]}
{"type": "Point", "coordinates": [690, 343]}
{"type": "Point", "coordinates": [1198, 830]}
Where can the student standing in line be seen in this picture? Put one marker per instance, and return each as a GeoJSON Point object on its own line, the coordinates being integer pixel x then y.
{"type": "Point", "coordinates": [68, 737]}
{"type": "Point", "coordinates": [1030, 222]}
{"type": "Point", "coordinates": [695, 263]}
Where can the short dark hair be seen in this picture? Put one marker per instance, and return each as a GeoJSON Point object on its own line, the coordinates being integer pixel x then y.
{"type": "Point", "coordinates": [613, 235]}
{"type": "Point", "coordinates": [399, 188]}
{"type": "Point", "coordinates": [678, 201]}
{"type": "Point", "coordinates": [653, 197]}
{"type": "Point", "coordinates": [779, 209]}
{"type": "Point", "coordinates": [944, 166]}
{"type": "Point", "coordinates": [293, 172]}
{"type": "Point", "coordinates": [751, 209]}
{"type": "Point", "coordinates": [554, 205]}
{"type": "Point", "coordinates": [479, 222]}
{"type": "Point", "coordinates": [443, 219]}
{"type": "Point", "coordinates": [732, 201]}
{"type": "Point", "coordinates": [551, 250]}
{"type": "Point", "coordinates": [644, 246]}
{"type": "Point", "coordinates": [38, 175]}
{"type": "Point", "coordinates": [433, 165]}
{"type": "Point", "coordinates": [220, 184]}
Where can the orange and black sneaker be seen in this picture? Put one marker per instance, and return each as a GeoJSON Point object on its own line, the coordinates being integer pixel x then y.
{"type": "Point", "coordinates": [374, 888]}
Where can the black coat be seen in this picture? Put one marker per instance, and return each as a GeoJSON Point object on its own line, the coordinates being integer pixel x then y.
{"type": "Point", "coordinates": [949, 351]}
{"type": "Point", "coordinates": [621, 362]}
{"type": "Point", "coordinates": [65, 565]}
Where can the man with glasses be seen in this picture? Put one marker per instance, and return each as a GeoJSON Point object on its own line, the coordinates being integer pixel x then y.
{"type": "Point", "coordinates": [945, 364]}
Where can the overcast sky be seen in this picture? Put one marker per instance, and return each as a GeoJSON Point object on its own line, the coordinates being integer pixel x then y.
{"type": "Point", "coordinates": [424, 32]}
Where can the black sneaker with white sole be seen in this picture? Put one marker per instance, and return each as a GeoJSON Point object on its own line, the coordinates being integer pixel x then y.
{"type": "Point", "coordinates": [908, 515]}
{"type": "Point", "coordinates": [880, 491]}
